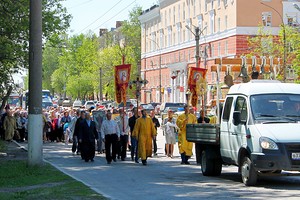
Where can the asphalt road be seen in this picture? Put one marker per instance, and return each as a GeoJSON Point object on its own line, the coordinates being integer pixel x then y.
{"type": "Point", "coordinates": [164, 178]}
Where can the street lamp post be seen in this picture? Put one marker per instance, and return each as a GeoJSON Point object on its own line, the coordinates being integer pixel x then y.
{"type": "Point", "coordinates": [137, 82]}
{"type": "Point", "coordinates": [197, 34]}
{"type": "Point", "coordinates": [100, 84]}
{"type": "Point", "coordinates": [284, 41]}
{"type": "Point", "coordinates": [159, 63]}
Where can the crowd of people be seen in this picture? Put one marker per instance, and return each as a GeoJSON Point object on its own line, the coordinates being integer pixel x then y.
{"type": "Point", "coordinates": [134, 130]}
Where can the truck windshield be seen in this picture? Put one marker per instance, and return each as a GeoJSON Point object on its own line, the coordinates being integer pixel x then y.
{"type": "Point", "coordinates": [276, 106]}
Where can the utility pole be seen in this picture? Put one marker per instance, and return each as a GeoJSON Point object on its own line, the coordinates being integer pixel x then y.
{"type": "Point", "coordinates": [35, 122]}
{"type": "Point", "coordinates": [284, 41]}
{"type": "Point", "coordinates": [197, 38]}
{"type": "Point", "coordinates": [100, 84]}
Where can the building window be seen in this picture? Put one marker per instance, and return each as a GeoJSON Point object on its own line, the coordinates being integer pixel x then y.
{"type": "Point", "coordinates": [205, 5]}
{"type": "Point", "coordinates": [179, 13]}
{"type": "Point", "coordinates": [166, 19]}
{"type": "Point", "coordinates": [226, 48]}
{"type": "Point", "coordinates": [194, 7]}
{"type": "Point", "coordinates": [206, 28]}
{"type": "Point", "coordinates": [219, 24]}
{"type": "Point", "coordinates": [183, 11]}
{"type": "Point", "coordinates": [183, 34]}
{"type": "Point", "coordinates": [292, 20]}
{"type": "Point", "coordinates": [219, 49]}
{"type": "Point", "coordinates": [212, 50]}
{"type": "Point", "coordinates": [212, 22]}
{"type": "Point", "coordinates": [266, 19]}
{"type": "Point", "coordinates": [225, 3]}
{"type": "Point", "coordinates": [219, 2]}
{"type": "Point", "coordinates": [174, 15]}
{"type": "Point", "coordinates": [226, 22]}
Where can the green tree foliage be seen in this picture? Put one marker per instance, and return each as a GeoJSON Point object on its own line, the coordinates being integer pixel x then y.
{"type": "Point", "coordinates": [77, 67]}
{"type": "Point", "coordinates": [266, 44]}
{"type": "Point", "coordinates": [14, 33]}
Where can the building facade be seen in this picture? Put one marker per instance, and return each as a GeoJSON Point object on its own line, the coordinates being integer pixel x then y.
{"type": "Point", "coordinates": [168, 39]}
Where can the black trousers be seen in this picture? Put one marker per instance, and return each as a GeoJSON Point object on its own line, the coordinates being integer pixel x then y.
{"type": "Point", "coordinates": [123, 146]}
{"type": "Point", "coordinates": [154, 145]}
{"type": "Point", "coordinates": [88, 150]}
{"type": "Point", "coordinates": [111, 147]}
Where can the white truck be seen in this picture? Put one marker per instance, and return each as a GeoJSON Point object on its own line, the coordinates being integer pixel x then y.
{"type": "Point", "coordinates": [259, 132]}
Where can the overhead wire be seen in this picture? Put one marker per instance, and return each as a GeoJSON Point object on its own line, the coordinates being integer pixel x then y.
{"type": "Point", "coordinates": [80, 4]}
{"type": "Point", "coordinates": [123, 9]}
{"type": "Point", "coordinates": [100, 16]}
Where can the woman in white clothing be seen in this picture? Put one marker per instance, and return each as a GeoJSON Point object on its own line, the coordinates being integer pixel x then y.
{"type": "Point", "coordinates": [170, 127]}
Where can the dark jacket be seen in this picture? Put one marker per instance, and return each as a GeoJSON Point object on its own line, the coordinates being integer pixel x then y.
{"type": "Point", "coordinates": [77, 126]}
{"type": "Point", "coordinates": [131, 122]}
{"type": "Point", "coordinates": [87, 133]}
{"type": "Point", "coordinates": [156, 122]}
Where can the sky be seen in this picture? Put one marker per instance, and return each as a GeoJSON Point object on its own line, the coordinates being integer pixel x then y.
{"type": "Point", "coordinates": [95, 14]}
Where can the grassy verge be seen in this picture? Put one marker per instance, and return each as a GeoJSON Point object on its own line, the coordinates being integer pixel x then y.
{"type": "Point", "coordinates": [18, 181]}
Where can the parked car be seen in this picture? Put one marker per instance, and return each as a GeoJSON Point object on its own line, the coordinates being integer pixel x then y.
{"type": "Point", "coordinates": [77, 104]}
{"type": "Point", "coordinates": [127, 106]}
{"type": "Point", "coordinates": [46, 102]}
{"type": "Point", "coordinates": [147, 107]}
{"type": "Point", "coordinates": [89, 104]}
{"type": "Point", "coordinates": [169, 104]}
{"type": "Point", "coordinates": [67, 103]}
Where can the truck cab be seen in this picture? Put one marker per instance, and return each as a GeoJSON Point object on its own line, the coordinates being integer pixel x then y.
{"type": "Point", "coordinates": [258, 131]}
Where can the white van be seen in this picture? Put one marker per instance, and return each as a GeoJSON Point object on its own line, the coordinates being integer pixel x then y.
{"type": "Point", "coordinates": [259, 131]}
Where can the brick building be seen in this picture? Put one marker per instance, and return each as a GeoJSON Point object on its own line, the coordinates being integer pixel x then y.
{"type": "Point", "coordinates": [168, 40]}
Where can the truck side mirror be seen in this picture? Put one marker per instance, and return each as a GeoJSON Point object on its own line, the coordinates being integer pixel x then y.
{"type": "Point", "coordinates": [236, 118]}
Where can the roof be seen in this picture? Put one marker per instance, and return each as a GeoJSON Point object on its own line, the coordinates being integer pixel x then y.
{"type": "Point", "coordinates": [264, 87]}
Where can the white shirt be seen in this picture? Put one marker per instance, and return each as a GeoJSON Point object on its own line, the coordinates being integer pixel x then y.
{"type": "Point", "coordinates": [109, 127]}
{"type": "Point", "coordinates": [123, 120]}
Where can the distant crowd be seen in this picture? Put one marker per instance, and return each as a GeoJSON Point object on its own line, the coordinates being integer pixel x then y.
{"type": "Point", "coordinates": [104, 131]}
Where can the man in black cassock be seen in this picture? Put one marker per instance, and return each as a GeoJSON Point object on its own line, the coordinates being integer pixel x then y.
{"type": "Point", "coordinates": [87, 136]}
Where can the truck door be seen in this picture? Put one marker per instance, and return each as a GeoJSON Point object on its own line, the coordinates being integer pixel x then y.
{"type": "Point", "coordinates": [224, 128]}
{"type": "Point", "coordinates": [237, 133]}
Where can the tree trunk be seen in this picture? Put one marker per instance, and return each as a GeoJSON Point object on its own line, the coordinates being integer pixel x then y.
{"type": "Point", "coordinates": [5, 98]}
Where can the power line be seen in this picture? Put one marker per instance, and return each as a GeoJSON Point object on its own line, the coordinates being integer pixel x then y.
{"type": "Point", "coordinates": [100, 16]}
{"type": "Point", "coordinates": [115, 15]}
{"type": "Point", "coordinates": [80, 4]}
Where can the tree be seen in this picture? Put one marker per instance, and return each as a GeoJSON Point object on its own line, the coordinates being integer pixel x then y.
{"type": "Point", "coordinates": [14, 34]}
{"type": "Point", "coordinates": [266, 44]}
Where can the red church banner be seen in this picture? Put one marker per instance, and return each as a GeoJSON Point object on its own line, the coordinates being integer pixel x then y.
{"type": "Point", "coordinates": [122, 77]}
{"type": "Point", "coordinates": [196, 83]}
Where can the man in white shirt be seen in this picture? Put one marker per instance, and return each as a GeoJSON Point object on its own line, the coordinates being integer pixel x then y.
{"type": "Point", "coordinates": [122, 121]}
{"type": "Point", "coordinates": [110, 134]}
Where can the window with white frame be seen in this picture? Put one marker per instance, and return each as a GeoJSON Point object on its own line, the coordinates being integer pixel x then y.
{"type": "Point", "coordinates": [179, 13]}
{"type": "Point", "coordinates": [219, 24]}
{"type": "Point", "coordinates": [226, 22]}
{"type": "Point", "coordinates": [194, 7]}
{"type": "Point", "coordinates": [205, 5]}
{"type": "Point", "coordinates": [226, 48]}
{"type": "Point", "coordinates": [166, 18]}
{"type": "Point", "coordinates": [183, 11]}
{"type": "Point", "coordinates": [266, 19]}
{"type": "Point", "coordinates": [178, 33]}
{"type": "Point", "coordinates": [183, 34]}
{"type": "Point", "coordinates": [225, 3]}
{"type": "Point", "coordinates": [212, 50]}
{"type": "Point", "coordinates": [169, 36]}
{"type": "Point", "coordinates": [219, 3]}
{"type": "Point", "coordinates": [170, 16]}
{"type": "Point", "coordinates": [219, 49]}
{"type": "Point", "coordinates": [206, 28]}
{"type": "Point", "coordinates": [212, 22]}
{"type": "Point", "coordinates": [212, 4]}
{"type": "Point", "coordinates": [189, 8]}
{"type": "Point", "coordinates": [174, 15]}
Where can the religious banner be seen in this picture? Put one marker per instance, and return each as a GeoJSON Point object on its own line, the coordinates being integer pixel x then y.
{"type": "Point", "coordinates": [122, 77]}
{"type": "Point", "coordinates": [196, 83]}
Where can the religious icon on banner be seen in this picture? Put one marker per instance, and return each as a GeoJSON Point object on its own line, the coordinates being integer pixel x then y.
{"type": "Point", "coordinates": [196, 83]}
{"type": "Point", "coordinates": [122, 77]}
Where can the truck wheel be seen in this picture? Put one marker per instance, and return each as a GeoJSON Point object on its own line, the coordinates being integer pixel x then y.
{"type": "Point", "coordinates": [217, 167]}
{"type": "Point", "coordinates": [207, 164]}
{"type": "Point", "coordinates": [249, 175]}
